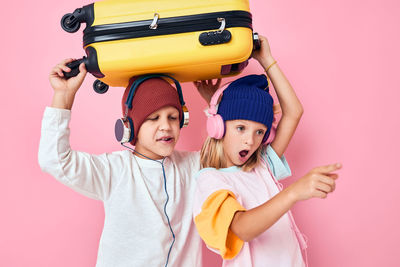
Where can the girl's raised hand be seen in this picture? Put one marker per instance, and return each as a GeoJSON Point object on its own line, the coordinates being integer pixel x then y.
{"type": "Point", "coordinates": [207, 88]}
{"type": "Point", "coordinates": [62, 85]}
{"type": "Point", "coordinates": [317, 183]}
{"type": "Point", "coordinates": [263, 55]}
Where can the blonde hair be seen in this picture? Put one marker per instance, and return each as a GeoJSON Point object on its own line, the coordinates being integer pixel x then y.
{"type": "Point", "coordinates": [212, 155]}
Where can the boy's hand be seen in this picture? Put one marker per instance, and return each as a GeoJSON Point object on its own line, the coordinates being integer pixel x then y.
{"type": "Point", "coordinates": [207, 89]}
{"type": "Point", "coordinates": [263, 55]}
{"type": "Point", "coordinates": [317, 183]}
{"type": "Point", "coordinates": [63, 85]}
{"type": "Point", "coordinates": [65, 89]}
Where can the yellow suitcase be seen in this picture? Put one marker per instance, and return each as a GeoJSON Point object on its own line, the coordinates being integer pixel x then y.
{"type": "Point", "coordinates": [187, 39]}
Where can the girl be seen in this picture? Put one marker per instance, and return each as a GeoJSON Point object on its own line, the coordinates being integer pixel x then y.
{"type": "Point", "coordinates": [239, 210]}
{"type": "Point", "coordinates": [148, 193]}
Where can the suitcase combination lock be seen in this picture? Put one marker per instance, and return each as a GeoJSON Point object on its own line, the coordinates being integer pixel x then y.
{"type": "Point", "coordinates": [221, 36]}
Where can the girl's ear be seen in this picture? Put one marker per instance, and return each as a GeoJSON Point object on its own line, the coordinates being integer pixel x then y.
{"type": "Point", "coordinates": [277, 109]}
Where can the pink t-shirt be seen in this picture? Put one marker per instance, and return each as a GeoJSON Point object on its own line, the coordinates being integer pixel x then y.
{"type": "Point", "coordinates": [278, 246]}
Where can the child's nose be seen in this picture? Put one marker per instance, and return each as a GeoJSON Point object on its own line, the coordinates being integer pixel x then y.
{"type": "Point", "coordinates": [249, 139]}
{"type": "Point", "coordinates": [165, 124]}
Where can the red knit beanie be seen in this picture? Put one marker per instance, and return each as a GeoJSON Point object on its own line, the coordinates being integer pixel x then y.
{"type": "Point", "coordinates": [150, 96]}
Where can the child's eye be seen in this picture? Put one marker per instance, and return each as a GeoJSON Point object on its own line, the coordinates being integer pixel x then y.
{"type": "Point", "coordinates": [240, 128]}
{"type": "Point", "coordinates": [173, 117]}
{"type": "Point", "coordinates": [260, 132]}
{"type": "Point", "coordinates": [153, 118]}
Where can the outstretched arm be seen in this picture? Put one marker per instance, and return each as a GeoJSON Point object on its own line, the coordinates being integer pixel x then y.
{"type": "Point", "coordinates": [292, 109]}
{"type": "Point", "coordinates": [249, 224]}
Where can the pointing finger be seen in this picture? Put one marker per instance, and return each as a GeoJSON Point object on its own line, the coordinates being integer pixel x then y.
{"type": "Point", "coordinates": [328, 168]}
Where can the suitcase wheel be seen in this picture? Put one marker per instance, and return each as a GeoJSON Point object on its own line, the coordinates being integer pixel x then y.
{"type": "Point", "coordinates": [100, 87]}
{"type": "Point", "coordinates": [69, 23]}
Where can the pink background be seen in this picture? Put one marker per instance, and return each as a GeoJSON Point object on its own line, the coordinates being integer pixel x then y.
{"type": "Point", "coordinates": [342, 58]}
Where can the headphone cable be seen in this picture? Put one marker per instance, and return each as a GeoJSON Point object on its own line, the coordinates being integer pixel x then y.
{"type": "Point", "coordinates": [166, 202]}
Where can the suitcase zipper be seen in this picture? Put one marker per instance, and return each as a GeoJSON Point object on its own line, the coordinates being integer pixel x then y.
{"type": "Point", "coordinates": [164, 26]}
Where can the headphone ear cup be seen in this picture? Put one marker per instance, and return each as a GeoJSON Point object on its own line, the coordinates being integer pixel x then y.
{"type": "Point", "coordinates": [124, 133]}
{"type": "Point", "coordinates": [185, 117]}
{"type": "Point", "coordinates": [215, 126]}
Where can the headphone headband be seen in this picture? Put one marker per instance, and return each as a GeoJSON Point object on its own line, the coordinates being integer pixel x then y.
{"type": "Point", "coordinates": [214, 99]}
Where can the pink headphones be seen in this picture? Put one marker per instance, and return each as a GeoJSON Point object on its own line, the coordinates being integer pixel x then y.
{"type": "Point", "coordinates": [215, 122]}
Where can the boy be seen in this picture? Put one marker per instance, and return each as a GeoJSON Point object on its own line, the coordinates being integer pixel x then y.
{"type": "Point", "coordinates": [147, 193]}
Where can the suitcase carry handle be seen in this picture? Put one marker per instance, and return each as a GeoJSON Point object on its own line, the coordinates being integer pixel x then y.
{"type": "Point", "coordinates": [256, 41]}
{"type": "Point", "coordinates": [74, 66]}
{"type": "Point", "coordinates": [98, 86]}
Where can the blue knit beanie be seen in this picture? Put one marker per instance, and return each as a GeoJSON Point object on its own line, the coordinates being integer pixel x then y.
{"type": "Point", "coordinates": [248, 98]}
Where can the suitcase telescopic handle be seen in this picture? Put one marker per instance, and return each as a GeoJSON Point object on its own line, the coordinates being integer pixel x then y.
{"type": "Point", "coordinates": [74, 66]}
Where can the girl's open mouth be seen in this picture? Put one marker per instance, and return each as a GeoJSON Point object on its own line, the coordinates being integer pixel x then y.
{"type": "Point", "coordinates": [243, 153]}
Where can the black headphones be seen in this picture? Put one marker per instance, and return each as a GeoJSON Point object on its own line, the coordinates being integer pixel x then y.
{"type": "Point", "coordinates": [125, 134]}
